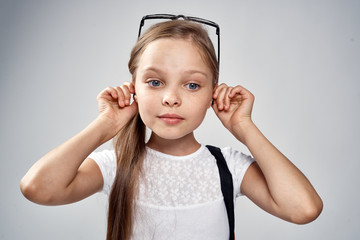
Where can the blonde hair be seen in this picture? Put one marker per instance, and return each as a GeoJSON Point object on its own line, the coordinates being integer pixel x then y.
{"type": "Point", "coordinates": [129, 143]}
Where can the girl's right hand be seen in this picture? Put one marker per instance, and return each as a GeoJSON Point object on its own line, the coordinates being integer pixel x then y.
{"type": "Point", "coordinates": [66, 174]}
{"type": "Point", "coordinates": [115, 108]}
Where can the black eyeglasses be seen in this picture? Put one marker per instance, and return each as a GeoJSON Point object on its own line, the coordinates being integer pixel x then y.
{"type": "Point", "coordinates": [194, 19]}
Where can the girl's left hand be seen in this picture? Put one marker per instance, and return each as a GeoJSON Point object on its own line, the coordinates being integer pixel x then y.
{"type": "Point", "coordinates": [233, 105]}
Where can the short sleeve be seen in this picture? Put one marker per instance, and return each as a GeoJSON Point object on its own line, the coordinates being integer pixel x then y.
{"type": "Point", "coordinates": [238, 163]}
{"type": "Point", "coordinates": [106, 160]}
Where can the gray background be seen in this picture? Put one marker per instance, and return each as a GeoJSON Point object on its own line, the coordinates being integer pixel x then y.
{"type": "Point", "coordinates": [300, 59]}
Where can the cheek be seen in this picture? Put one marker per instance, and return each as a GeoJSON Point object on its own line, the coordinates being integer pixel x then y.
{"type": "Point", "coordinates": [145, 105]}
{"type": "Point", "coordinates": [207, 101]}
{"type": "Point", "coordinates": [199, 110]}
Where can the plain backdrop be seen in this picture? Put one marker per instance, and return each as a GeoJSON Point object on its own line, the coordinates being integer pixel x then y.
{"type": "Point", "coordinates": [301, 59]}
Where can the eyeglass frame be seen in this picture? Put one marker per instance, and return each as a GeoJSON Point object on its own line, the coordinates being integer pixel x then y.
{"type": "Point", "coordinates": [189, 18]}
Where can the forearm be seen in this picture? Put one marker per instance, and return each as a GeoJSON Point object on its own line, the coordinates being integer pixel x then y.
{"type": "Point", "coordinates": [288, 187]}
{"type": "Point", "coordinates": [56, 170]}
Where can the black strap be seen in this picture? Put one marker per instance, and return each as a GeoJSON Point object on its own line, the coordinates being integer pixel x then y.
{"type": "Point", "coordinates": [227, 187]}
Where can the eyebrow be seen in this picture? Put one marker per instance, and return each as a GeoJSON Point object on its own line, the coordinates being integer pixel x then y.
{"type": "Point", "coordinates": [159, 70]}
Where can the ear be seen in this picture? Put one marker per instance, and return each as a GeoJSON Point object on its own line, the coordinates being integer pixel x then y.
{"type": "Point", "coordinates": [210, 103]}
{"type": "Point", "coordinates": [212, 99]}
{"type": "Point", "coordinates": [134, 94]}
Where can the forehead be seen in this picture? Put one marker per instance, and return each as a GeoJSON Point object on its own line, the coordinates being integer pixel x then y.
{"type": "Point", "coordinates": [174, 54]}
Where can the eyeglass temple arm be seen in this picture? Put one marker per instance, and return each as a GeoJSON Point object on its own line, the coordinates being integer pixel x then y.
{"type": "Point", "coordinates": [141, 25]}
{"type": "Point", "coordinates": [218, 34]}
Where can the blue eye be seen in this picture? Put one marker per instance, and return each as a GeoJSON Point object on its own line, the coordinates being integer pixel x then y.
{"type": "Point", "coordinates": [192, 86]}
{"type": "Point", "coordinates": [154, 83]}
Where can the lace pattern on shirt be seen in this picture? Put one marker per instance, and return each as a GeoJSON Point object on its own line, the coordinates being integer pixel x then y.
{"type": "Point", "coordinates": [171, 181]}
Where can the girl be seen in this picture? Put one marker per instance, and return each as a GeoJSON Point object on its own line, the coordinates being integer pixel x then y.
{"type": "Point", "coordinates": [169, 187]}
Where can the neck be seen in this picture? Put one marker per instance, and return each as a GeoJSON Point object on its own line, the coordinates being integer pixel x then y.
{"type": "Point", "coordinates": [176, 147]}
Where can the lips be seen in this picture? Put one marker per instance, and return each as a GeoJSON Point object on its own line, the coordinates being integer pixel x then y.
{"type": "Point", "coordinates": [171, 118]}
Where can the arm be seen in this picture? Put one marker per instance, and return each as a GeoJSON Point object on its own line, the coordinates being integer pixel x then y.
{"type": "Point", "coordinates": [273, 182]}
{"type": "Point", "coordinates": [64, 175]}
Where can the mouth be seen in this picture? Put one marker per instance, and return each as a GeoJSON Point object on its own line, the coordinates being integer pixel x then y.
{"type": "Point", "coordinates": [171, 119]}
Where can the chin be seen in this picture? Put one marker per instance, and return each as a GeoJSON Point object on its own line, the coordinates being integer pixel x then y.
{"type": "Point", "coordinates": [170, 135]}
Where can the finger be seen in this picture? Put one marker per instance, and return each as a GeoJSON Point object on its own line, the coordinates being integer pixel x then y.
{"type": "Point", "coordinates": [130, 86]}
{"type": "Point", "coordinates": [127, 95]}
{"type": "Point", "coordinates": [237, 90]}
{"type": "Point", "coordinates": [121, 96]}
{"type": "Point", "coordinates": [108, 93]}
{"type": "Point", "coordinates": [234, 91]}
{"type": "Point", "coordinates": [243, 92]}
{"type": "Point", "coordinates": [220, 98]}
{"type": "Point", "coordinates": [218, 89]}
{"type": "Point", "coordinates": [227, 99]}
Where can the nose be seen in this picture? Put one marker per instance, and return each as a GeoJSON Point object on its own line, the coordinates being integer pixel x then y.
{"type": "Point", "coordinates": [171, 99]}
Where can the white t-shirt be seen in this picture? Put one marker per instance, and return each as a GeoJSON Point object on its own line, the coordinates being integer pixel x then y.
{"type": "Point", "coordinates": [179, 196]}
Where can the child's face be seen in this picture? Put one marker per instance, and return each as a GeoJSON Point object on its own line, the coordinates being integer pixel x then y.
{"type": "Point", "coordinates": [173, 87]}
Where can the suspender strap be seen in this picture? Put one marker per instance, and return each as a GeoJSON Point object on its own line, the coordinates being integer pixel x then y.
{"type": "Point", "coordinates": [227, 187]}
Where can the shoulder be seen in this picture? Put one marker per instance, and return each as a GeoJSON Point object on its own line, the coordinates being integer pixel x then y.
{"type": "Point", "coordinates": [235, 158]}
{"type": "Point", "coordinates": [238, 163]}
{"type": "Point", "coordinates": [107, 154]}
{"type": "Point", "coordinates": [106, 161]}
